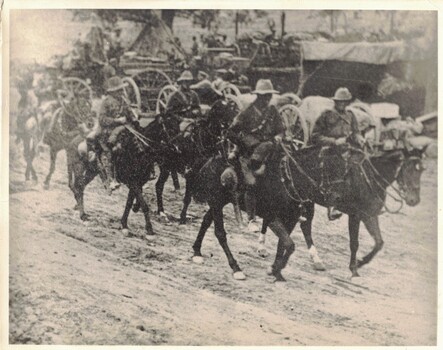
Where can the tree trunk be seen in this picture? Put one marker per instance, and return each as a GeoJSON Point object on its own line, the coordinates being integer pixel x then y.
{"type": "Point", "coordinates": [168, 17]}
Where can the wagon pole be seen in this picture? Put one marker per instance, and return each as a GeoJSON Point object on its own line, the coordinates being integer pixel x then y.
{"type": "Point", "coordinates": [283, 19]}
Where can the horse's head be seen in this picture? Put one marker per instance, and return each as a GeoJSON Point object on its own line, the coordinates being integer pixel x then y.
{"type": "Point", "coordinates": [408, 177]}
{"type": "Point", "coordinates": [222, 112]}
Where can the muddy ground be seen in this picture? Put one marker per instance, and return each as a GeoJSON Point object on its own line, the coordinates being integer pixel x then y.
{"type": "Point", "coordinates": [74, 282]}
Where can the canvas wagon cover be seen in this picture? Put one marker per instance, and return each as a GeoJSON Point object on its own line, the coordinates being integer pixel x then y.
{"type": "Point", "coordinates": [365, 52]}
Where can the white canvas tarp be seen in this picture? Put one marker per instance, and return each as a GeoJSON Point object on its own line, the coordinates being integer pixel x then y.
{"type": "Point", "coordinates": [364, 52]}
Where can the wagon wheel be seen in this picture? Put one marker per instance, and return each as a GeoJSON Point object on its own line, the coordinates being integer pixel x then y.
{"type": "Point", "coordinates": [77, 87]}
{"type": "Point", "coordinates": [150, 82]}
{"type": "Point", "coordinates": [163, 98]}
{"type": "Point", "coordinates": [295, 125]}
{"type": "Point", "coordinates": [75, 98]}
{"type": "Point", "coordinates": [230, 89]}
{"type": "Point", "coordinates": [132, 92]}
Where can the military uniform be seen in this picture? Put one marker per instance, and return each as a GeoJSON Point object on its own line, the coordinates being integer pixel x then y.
{"type": "Point", "coordinates": [183, 100]}
{"type": "Point", "coordinates": [112, 109]}
{"type": "Point", "coordinates": [254, 127]}
{"type": "Point", "coordinates": [332, 125]}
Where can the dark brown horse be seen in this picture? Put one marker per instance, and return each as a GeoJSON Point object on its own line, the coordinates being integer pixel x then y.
{"type": "Point", "coordinates": [360, 191]}
{"type": "Point", "coordinates": [290, 186]}
{"type": "Point", "coordinates": [193, 150]}
{"type": "Point", "coordinates": [140, 148]}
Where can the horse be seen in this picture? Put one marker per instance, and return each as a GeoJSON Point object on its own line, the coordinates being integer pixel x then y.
{"type": "Point", "coordinates": [290, 187]}
{"type": "Point", "coordinates": [202, 142]}
{"type": "Point", "coordinates": [359, 192]}
{"type": "Point", "coordinates": [65, 124]}
{"type": "Point", "coordinates": [139, 149]}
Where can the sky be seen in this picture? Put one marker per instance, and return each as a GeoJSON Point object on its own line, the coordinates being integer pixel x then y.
{"type": "Point", "coordinates": [39, 34]}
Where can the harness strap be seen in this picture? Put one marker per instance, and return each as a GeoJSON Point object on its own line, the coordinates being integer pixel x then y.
{"type": "Point", "coordinates": [299, 168]}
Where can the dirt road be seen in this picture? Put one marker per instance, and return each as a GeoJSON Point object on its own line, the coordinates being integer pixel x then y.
{"type": "Point", "coordinates": [74, 282]}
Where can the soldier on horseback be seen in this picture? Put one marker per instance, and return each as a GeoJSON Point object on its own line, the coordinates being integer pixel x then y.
{"type": "Point", "coordinates": [114, 114]}
{"type": "Point", "coordinates": [184, 99]}
{"type": "Point", "coordinates": [337, 127]}
{"type": "Point", "coordinates": [255, 131]}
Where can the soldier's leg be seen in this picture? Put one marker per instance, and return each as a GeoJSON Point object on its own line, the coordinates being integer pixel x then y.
{"type": "Point", "coordinates": [261, 152]}
{"type": "Point", "coordinates": [106, 159]}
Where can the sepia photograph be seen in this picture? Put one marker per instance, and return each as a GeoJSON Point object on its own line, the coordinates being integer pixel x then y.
{"type": "Point", "coordinates": [220, 176]}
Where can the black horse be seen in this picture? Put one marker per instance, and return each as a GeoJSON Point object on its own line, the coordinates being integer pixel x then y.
{"type": "Point", "coordinates": [194, 149]}
{"type": "Point", "coordinates": [140, 148]}
{"type": "Point", "coordinates": [359, 192]}
{"type": "Point", "coordinates": [293, 182]}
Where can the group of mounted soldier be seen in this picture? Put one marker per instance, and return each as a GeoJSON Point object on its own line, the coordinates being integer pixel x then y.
{"type": "Point", "coordinates": [246, 144]}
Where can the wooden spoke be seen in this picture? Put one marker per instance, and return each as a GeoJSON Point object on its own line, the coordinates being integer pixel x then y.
{"type": "Point", "coordinates": [295, 124]}
{"type": "Point", "coordinates": [163, 97]}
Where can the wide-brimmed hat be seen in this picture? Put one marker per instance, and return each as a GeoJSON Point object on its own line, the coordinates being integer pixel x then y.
{"type": "Point", "coordinates": [263, 87]}
{"type": "Point", "coordinates": [115, 84]}
{"type": "Point", "coordinates": [185, 76]}
{"type": "Point", "coordinates": [342, 94]}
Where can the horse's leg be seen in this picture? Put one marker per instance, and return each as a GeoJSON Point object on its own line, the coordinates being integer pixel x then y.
{"type": "Point", "coordinates": [373, 227]}
{"type": "Point", "coordinates": [353, 226]}
{"type": "Point", "coordinates": [78, 188]}
{"type": "Point", "coordinates": [82, 178]}
{"type": "Point", "coordinates": [32, 154]}
{"type": "Point", "coordinates": [186, 201]}
{"type": "Point", "coordinates": [306, 228]}
{"type": "Point", "coordinates": [53, 154]}
{"type": "Point", "coordinates": [206, 223]}
{"type": "Point", "coordinates": [138, 193]}
{"type": "Point", "coordinates": [124, 219]}
{"type": "Point", "coordinates": [262, 251]}
{"type": "Point", "coordinates": [159, 186]}
{"type": "Point", "coordinates": [220, 233]}
{"type": "Point", "coordinates": [288, 245]}
{"type": "Point", "coordinates": [175, 180]}
{"type": "Point", "coordinates": [26, 155]}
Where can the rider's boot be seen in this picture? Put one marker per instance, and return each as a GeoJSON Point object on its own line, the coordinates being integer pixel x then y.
{"type": "Point", "coordinates": [108, 167]}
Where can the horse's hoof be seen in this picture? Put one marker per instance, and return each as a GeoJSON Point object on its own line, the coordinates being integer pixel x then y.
{"type": "Point", "coordinates": [269, 271]}
{"type": "Point", "coordinates": [46, 186]}
{"type": "Point", "coordinates": [84, 217]}
{"type": "Point", "coordinates": [355, 274]}
{"type": "Point", "coordinates": [150, 236]}
{"type": "Point", "coordinates": [126, 232]}
{"type": "Point", "coordinates": [279, 277]}
{"type": "Point", "coordinates": [198, 259]}
{"type": "Point", "coordinates": [318, 266]}
{"type": "Point", "coordinates": [262, 252]}
{"type": "Point", "coordinates": [163, 216]}
{"type": "Point", "coordinates": [239, 276]}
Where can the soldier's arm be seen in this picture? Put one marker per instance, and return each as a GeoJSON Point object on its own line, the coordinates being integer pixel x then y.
{"type": "Point", "coordinates": [106, 117]}
{"type": "Point", "coordinates": [174, 103]}
{"type": "Point", "coordinates": [319, 131]}
{"type": "Point", "coordinates": [279, 128]}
